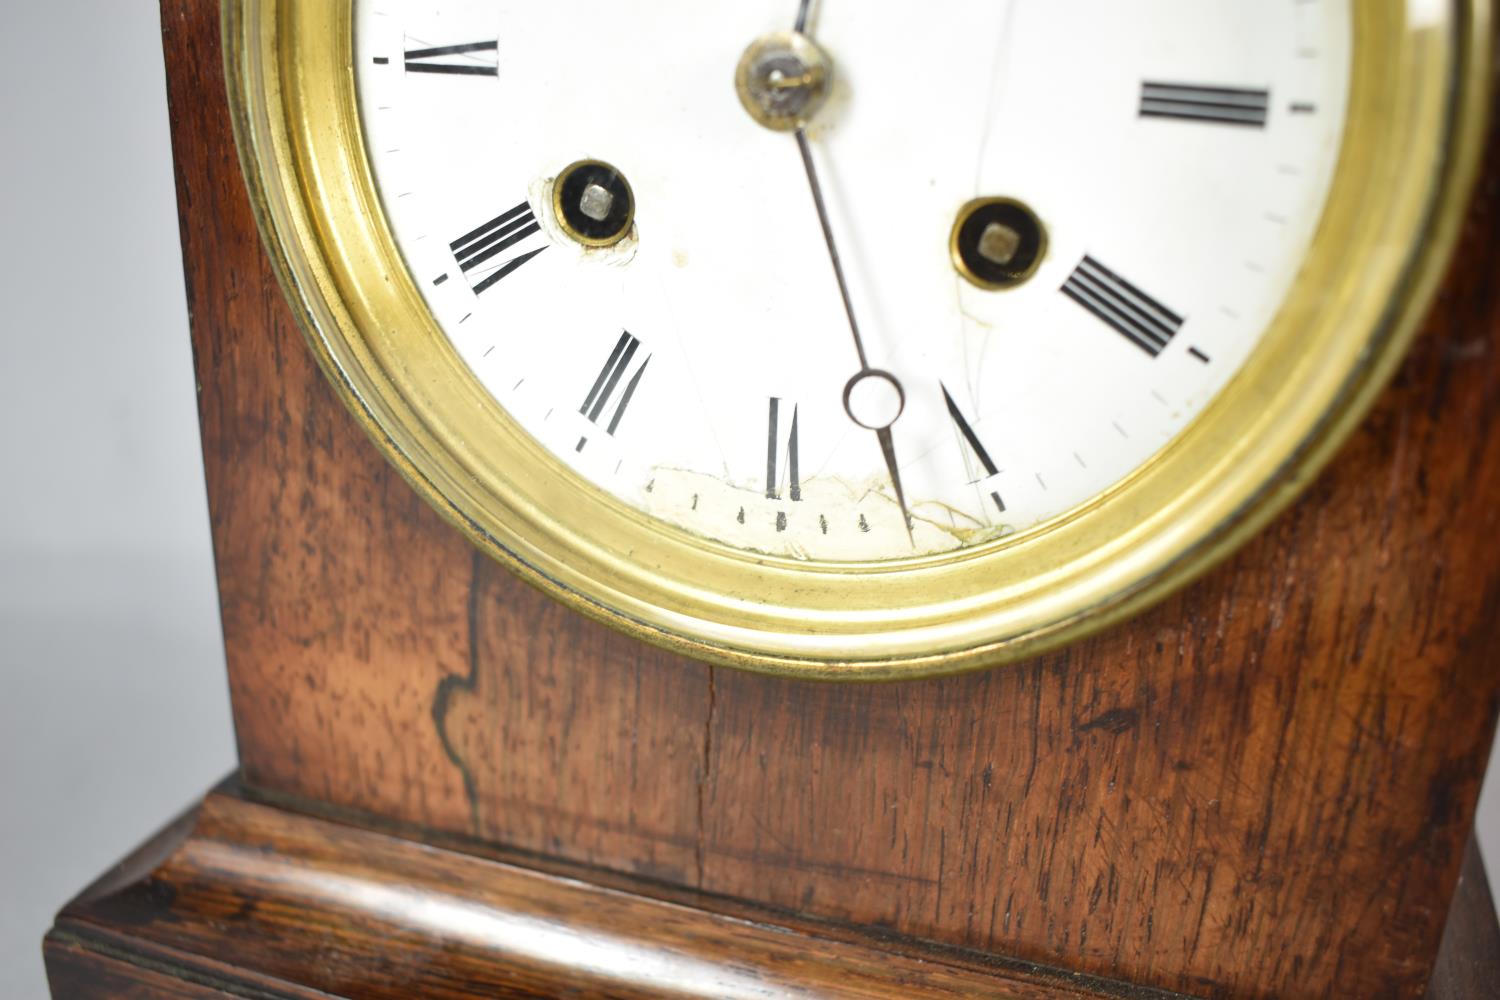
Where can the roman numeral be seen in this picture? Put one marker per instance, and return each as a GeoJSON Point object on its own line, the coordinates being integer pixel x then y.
{"type": "Point", "coordinates": [970, 438]}
{"type": "Point", "coordinates": [475, 251]}
{"type": "Point", "coordinates": [975, 448]}
{"type": "Point", "coordinates": [603, 391]}
{"type": "Point", "coordinates": [456, 60]}
{"type": "Point", "coordinates": [773, 466]}
{"type": "Point", "coordinates": [1132, 313]}
{"type": "Point", "coordinates": [1197, 103]}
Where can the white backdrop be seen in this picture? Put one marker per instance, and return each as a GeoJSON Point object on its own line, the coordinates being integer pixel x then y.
{"type": "Point", "coordinates": [114, 713]}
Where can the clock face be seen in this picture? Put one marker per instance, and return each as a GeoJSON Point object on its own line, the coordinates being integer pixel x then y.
{"type": "Point", "coordinates": [638, 271]}
{"type": "Point", "coordinates": [804, 338]}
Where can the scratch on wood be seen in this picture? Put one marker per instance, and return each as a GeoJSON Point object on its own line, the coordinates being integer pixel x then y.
{"type": "Point", "coordinates": [1115, 721]}
{"type": "Point", "coordinates": [708, 746]}
{"type": "Point", "coordinates": [467, 684]}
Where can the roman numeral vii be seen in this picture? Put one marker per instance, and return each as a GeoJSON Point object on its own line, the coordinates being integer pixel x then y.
{"type": "Point", "coordinates": [596, 405]}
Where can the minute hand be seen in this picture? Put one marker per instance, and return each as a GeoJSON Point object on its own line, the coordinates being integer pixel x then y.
{"type": "Point", "coordinates": [883, 433]}
{"type": "Point", "coordinates": [833, 253]}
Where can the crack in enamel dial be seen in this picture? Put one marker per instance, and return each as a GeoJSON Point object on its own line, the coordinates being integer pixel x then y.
{"type": "Point", "coordinates": [1176, 155]}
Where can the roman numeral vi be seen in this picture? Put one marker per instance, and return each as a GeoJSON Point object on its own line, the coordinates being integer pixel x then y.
{"type": "Point", "coordinates": [773, 466]}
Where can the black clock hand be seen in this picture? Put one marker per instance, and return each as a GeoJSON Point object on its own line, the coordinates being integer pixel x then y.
{"type": "Point", "coordinates": [883, 432]}
{"type": "Point", "coordinates": [833, 252]}
{"type": "Point", "coordinates": [888, 449]}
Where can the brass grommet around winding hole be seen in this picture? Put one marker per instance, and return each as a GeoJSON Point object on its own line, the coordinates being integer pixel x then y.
{"type": "Point", "coordinates": [593, 203]}
{"type": "Point", "coordinates": [997, 243]}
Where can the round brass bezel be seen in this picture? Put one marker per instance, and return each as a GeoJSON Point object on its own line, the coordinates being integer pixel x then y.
{"type": "Point", "coordinates": [1417, 119]}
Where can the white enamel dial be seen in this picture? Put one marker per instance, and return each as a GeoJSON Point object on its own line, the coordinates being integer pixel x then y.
{"type": "Point", "coordinates": [1177, 153]}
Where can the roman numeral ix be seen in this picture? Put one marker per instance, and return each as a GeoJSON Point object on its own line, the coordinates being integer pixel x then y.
{"type": "Point", "coordinates": [773, 466]}
{"type": "Point", "coordinates": [456, 60]}
{"type": "Point", "coordinates": [1196, 103]}
{"type": "Point", "coordinates": [1132, 313]}
{"type": "Point", "coordinates": [603, 391]}
{"type": "Point", "coordinates": [474, 251]}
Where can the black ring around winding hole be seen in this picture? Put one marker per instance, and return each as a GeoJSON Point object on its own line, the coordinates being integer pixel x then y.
{"type": "Point", "coordinates": [977, 216]}
{"type": "Point", "coordinates": [570, 188]}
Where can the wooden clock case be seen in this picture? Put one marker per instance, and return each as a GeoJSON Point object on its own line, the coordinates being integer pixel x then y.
{"type": "Point", "coordinates": [452, 787]}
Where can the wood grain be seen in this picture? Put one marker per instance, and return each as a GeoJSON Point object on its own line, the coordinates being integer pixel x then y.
{"type": "Point", "coordinates": [240, 899]}
{"type": "Point", "coordinates": [253, 898]}
{"type": "Point", "coordinates": [1262, 788]}
{"type": "Point", "coordinates": [77, 972]}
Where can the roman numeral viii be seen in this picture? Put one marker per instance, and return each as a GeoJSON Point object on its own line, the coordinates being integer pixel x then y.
{"type": "Point", "coordinates": [773, 465]}
{"type": "Point", "coordinates": [456, 60]}
{"type": "Point", "coordinates": [1132, 313]}
{"type": "Point", "coordinates": [602, 395]}
{"type": "Point", "coordinates": [476, 250]}
{"type": "Point", "coordinates": [1197, 103]}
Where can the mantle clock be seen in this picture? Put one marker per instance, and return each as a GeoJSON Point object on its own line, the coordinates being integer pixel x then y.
{"type": "Point", "coordinates": [732, 501]}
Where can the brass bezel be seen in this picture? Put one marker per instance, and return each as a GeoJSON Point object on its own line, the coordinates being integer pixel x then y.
{"type": "Point", "coordinates": [1417, 120]}
{"type": "Point", "coordinates": [962, 266]}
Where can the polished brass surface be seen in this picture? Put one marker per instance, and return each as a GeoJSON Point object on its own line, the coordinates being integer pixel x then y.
{"type": "Point", "coordinates": [783, 79]}
{"type": "Point", "coordinates": [1417, 116]}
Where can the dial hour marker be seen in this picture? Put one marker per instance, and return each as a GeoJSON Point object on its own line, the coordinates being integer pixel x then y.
{"type": "Point", "coordinates": [1138, 317]}
{"type": "Point", "coordinates": [456, 60]}
{"type": "Point", "coordinates": [603, 391]}
{"type": "Point", "coordinates": [1198, 103]}
{"type": "Point", "coordinates": [976, 447]}
{"type": "Point", "coordinates": [476, 249]}
{"type": "Point", "coordinates": [773, 467]}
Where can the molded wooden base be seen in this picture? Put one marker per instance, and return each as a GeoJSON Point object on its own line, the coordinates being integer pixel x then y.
{"type": "Point", "coordinates": [241, 898]}
{"type": "Point", "coordinates": [246, 899]}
